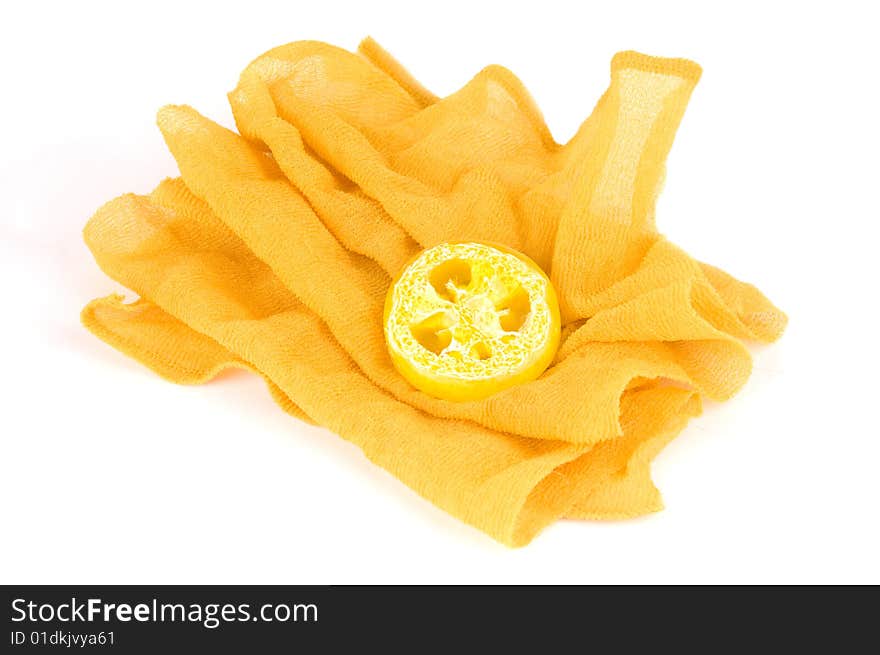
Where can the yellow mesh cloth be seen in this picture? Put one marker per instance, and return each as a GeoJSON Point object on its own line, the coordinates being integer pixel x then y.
{"type": "Point", "coordinates": [274, 250]}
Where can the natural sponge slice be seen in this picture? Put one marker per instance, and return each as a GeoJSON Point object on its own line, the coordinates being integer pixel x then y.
{"type": "Point", "coordinates": [465, 320]}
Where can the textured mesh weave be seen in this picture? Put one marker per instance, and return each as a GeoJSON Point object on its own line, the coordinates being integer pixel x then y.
{"type": "Point", "coordinates": [274, 250]}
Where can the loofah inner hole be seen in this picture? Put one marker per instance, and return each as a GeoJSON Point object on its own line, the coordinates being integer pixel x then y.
{"type": "Point", "coordinates": [513, 310]}
{"type": "Point", "coordinates": [433, 332]}
{"type": "Point", "coordinates": [450, 277]}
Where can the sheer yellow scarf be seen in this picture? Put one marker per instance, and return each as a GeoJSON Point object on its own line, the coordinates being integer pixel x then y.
{"type": "Point", "coordinates": [274, 250]}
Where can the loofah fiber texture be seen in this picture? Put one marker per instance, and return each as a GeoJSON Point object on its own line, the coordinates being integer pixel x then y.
{"type": "Point", "coordinates": [274, 249]}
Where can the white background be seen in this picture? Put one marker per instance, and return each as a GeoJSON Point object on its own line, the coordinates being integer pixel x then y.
{"type": "Point", "coordinates": [110, 475]}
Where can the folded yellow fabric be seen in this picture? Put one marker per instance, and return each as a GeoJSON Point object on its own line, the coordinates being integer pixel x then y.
{"type": "Point", "coordinates": [275, 248]}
